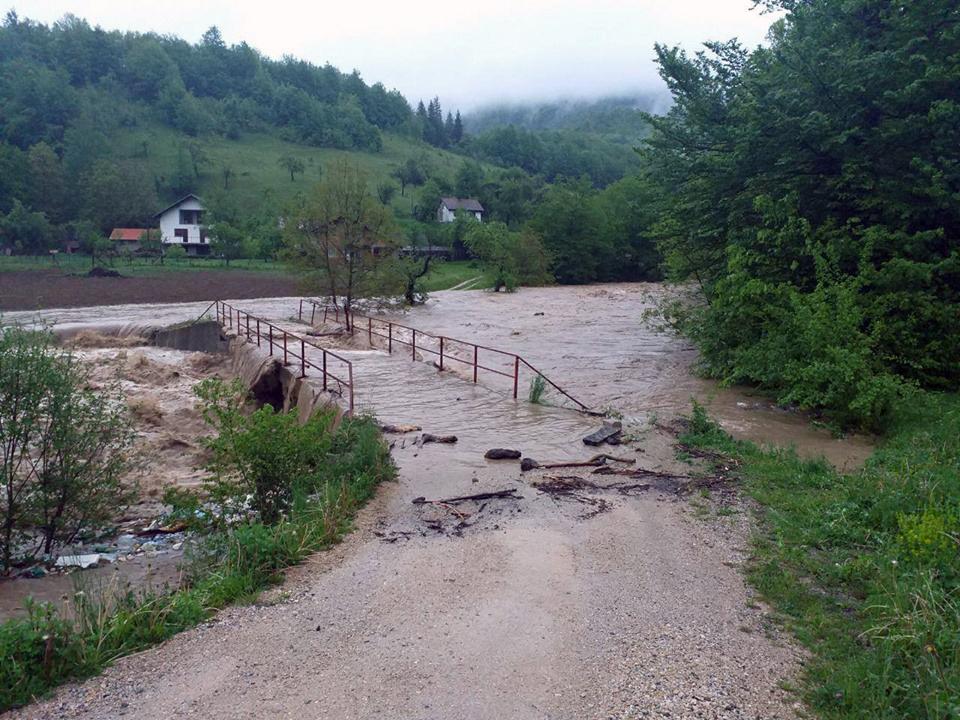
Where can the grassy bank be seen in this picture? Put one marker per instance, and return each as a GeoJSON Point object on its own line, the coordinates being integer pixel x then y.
{"type": "Point", "coordinates": [231, 564]}
{"type": "Point", "coordinates": [446, 275]}
{"type": "Point", "coordinates": [864, 568]}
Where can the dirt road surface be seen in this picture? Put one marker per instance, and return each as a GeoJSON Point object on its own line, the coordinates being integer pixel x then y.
{"type": "Point", "coordinates": [539, 607]}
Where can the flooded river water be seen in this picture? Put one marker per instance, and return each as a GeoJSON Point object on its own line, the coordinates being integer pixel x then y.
{"type": "Point", "coordinates": [592, 340]}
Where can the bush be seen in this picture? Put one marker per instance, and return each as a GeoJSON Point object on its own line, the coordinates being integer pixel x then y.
{"type": "Point", "coordinates": [66, 448]}
{"type": "Point", "coordinates": [231, 559]}
{"type": "Point", "coordinates": [258, 459]}
{"type": "Point", "coordinates": [816, 350]}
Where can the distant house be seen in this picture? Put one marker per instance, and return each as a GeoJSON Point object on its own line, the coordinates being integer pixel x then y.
{"type": "Point", "coordinates": [182, 224]}
{"type": "Point", "coordinates": [450, 206]}
{"type": "Point", "coordinates": [128, 238]}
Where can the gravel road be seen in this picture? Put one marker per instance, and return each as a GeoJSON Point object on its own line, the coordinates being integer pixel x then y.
{"type": "Point", "coordinates": [534, 612]}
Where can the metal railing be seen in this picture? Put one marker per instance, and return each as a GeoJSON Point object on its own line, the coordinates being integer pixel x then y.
{"type": "Point", "coordinates": [445, 349]}
{"type": "Point", "coordinates": [335, 370]}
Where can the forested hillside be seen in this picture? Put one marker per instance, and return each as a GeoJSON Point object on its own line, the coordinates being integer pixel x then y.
{"type": "Point", "coordinates": [104, 127]}
{"type": "Point", "coordinates": [620, 118]}
{"type": "Point", "coordinates": [565, 138]}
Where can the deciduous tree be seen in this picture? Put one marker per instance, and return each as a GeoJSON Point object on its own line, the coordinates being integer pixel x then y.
{"type": "Point", "coordinates": [343, 234]}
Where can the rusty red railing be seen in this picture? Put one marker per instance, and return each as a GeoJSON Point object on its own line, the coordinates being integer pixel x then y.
{"type": "Point", "coordinates": [444, 348]}
{"type": "Point", "coordinates": [336, 371]}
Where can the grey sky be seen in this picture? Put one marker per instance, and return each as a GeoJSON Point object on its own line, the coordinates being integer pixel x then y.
{"type": "Point", "coordinates": [468, 53]}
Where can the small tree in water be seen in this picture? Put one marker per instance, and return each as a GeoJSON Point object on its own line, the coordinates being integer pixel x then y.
{"type": "Point", "coordinates": [343, 235]}
{"type": "Point", "coordinates": [512, 258]}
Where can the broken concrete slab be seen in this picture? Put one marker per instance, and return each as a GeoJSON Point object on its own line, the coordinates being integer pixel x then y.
{"type": "Point", "coordinates": [608, 430]}
{"type": "Point", "coordinates": [84, 561]}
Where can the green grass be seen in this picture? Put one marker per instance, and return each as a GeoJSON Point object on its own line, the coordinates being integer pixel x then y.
{"type": "Point", "coordinates": [257, 176]}
{"type": "Point", "coordinates": [140, 267]}
{"type": "Point", "coordinates": [232, 564]}
{"type": "Point", "coordinates": [446, 275]}
{"type": "Point", "coordinates": [864, 568]}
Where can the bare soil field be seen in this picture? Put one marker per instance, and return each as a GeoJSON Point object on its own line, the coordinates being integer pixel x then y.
{"type": "Point", "coordinates": [39, 289]}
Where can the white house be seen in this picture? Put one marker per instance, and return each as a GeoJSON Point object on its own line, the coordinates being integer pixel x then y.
{"type": "Point", "coordinates": [181, 224]}
{"type": "Point", "coordinates": [449, 206]}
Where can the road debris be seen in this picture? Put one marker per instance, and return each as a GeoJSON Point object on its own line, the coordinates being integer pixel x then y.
{"type": "Point", "coordinates": [399, 429]}
{"type": "Point", "coordinates": [608, 430]}
{"type": "Point", "coordinates": [508, 494]}
{"type": "Point", "coordinates": [584, 491]}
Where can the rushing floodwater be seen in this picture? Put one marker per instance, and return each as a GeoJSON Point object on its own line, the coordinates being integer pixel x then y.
{"type": "Point", "coordinates": [592, 340]}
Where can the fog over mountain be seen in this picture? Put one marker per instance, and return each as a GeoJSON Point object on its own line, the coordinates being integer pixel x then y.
{"type": "Point", "coordinates": [470, 54]}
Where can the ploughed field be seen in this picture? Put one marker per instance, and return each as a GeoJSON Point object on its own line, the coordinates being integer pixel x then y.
{"type": "Point", "coordinates": [40, 289]}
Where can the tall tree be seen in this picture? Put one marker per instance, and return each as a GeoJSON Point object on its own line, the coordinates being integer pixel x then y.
{"type": "Point", "coordinates": [343, 234]}
{"type": "Point", "coordinates": [812, 195]}
{"type": "Point", "coordinates": [292, 165]}
{"type": "Point", "coordinates": [456, 134]}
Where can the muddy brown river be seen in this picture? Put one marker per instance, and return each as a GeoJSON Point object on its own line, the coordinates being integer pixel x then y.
{"type": "Point", "coordinates": [591, 340]}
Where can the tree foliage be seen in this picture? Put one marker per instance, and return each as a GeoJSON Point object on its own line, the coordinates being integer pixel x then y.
{"type": "Point", "coordinates": [813, 195]}
{"type": "Point", "coordinates": [342, 234]}
{"type": "Point", "coordinates": [514, 258]}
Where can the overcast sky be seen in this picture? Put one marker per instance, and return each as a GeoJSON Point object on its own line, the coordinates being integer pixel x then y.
{"type": "Point", "coordinates": [469, 53]}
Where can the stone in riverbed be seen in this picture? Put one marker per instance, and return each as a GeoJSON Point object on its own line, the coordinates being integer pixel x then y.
{"type": "Point", "coordinates": [502, 454]}
{"type": "Point", "coordinates": [528, 464]}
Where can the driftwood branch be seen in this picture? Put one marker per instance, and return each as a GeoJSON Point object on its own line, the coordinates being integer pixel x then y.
{"type": "Point", "coordinates": [509, 494]}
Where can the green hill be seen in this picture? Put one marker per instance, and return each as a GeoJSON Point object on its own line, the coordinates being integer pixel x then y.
{"type": "Point", "coordinates": [254, 175]}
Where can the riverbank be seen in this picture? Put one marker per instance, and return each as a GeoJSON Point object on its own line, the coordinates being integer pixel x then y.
{"type": "Point", "coordinates": [863, 568]}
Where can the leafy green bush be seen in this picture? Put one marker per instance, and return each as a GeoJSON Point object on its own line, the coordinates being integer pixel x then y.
{"type": "Point", "coordinates": [258, 457]}
{"type": "Point", "coordinates": [816, 350]}
{"type": "Point", "coordinates": [930, 537]}
{"type": "Point", "coordinates": [66, 448]}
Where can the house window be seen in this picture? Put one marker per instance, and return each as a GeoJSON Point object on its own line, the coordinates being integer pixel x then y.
{"type": "Point", "coordinates": [180, 234]}
{"type": "Point", "coordinates": [190, 217]}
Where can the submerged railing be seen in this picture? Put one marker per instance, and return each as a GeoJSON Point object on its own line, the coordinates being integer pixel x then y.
{"type": "Point", "coordinates": [444, 348]}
